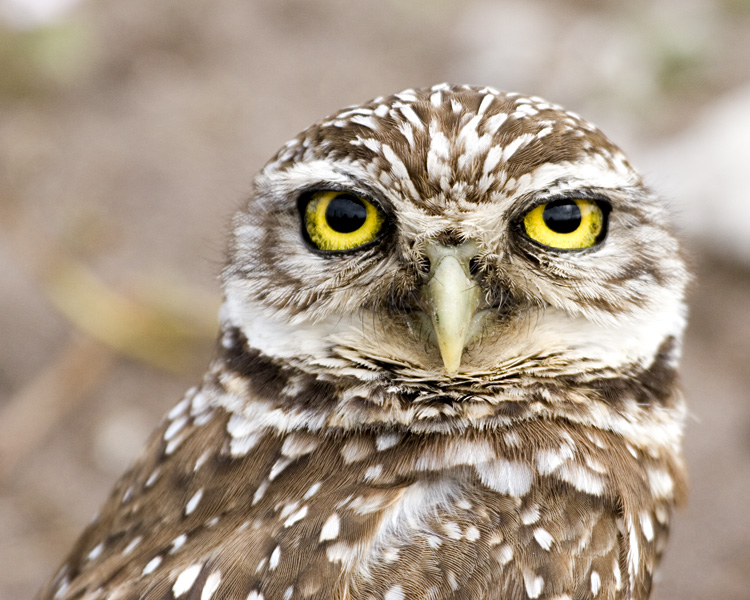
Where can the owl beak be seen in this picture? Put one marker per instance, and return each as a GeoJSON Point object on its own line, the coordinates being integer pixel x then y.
{"type": "Point", "coordinates": [452, 298]}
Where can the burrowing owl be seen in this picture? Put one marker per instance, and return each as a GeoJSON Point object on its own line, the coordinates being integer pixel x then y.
{"type": "Point", "coordinates": [446, 369]}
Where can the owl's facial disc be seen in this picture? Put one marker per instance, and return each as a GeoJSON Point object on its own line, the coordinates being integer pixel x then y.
{"type": "Point", "coordinates": [451, 299]}
{"type": "Point", "coordinates": [548, 257]}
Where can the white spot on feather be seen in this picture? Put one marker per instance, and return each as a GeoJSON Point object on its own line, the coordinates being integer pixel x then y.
{"type": "Point", "coordinates": [661, 482]}
{"type": "Point", "coordinates": [313, 490]}
{"type": "Point", "coordinates": [355, 450]}
{"type": "Point", "coordinates": [485, 104]}
{"type": "Point", "coordinates": [459, 452]}
{"type": "Point", "coordinates": [543, 538]}
{"type": "Point", "coordinates": [452, 580]}
{"type": "Point", "coordinates": [260, 492]}
{"type": "Point", "coordinates": [493, 123]}
{"type": "Point", "coordinates": [530, 514]}
{"type": "Point", "coordinates": [662, 514]}
{"type": "Point", "coordinates": [513, 478]}
{"type": "Point", "coordinates": [365, 121]}
{"type": "Point", "coordinates": [547, 461]}
{"type": "Point", "coordinates": [544, 132]}
{"type": "Point", "coordinates": [394, 593]}
{"type": "Point", "coordinates": [504, 554]}
{"type": "Point", "coordinates": [342, 553]}
{"type": "Point", "coordinates": [452, 530]}
{"type": "Point", "coordinates": [398, 168]}
{"type": "Point", "coordinates": [596, 583]}
{"type": "Point", "coordinates": [330, 530]}
{"type": "Point", "coordinates": [288, 509]}
{"type": "Point", "coordinates": [373, 472]}
{"type": "Point", "coordinates": [437, 155]}
{"type": "Point", "coordinates": [634, 554]}
{"type": "Point", "coordinates": [212, 584]}
{"type": "Point", "coordinates": [185, 580]}
{"type": "Point", "coordinates": [412, 117]}
{"type": "Point", "coordinates": [368, 503]}
{"type": "Point", "coordinates": [647, 526]}
{"type": "Point", "coordinates": [512, 147]}
{"type": "Point", "coordinates": [153, 477]}
{"type": "Point", "coordinates": [178, 543]}
{"type": "Point", "coordinates": [174, 443]}
{"type": "Point", "coordinates": [387, 440]}
{"type": "Point", "coordinates": [200, 461]}
{"type": "Point", "coordinates": [240, 446]}
{"type": "Point", "coordinates": [296, 516]}
{"type": "Point", "coordinates": [95, 552]}
{"type": "Point", "coordinates": [275, 558]}
{"type": "Point", "coordinates": [391, 555]}
{"type": "Point", "coordinates": [524, 110]}
{"type": "Point", "coordinates": [581, 478]}
{"type": "Point", "coordinates": [471, 534]}
{"type": "Point", "coordinates": [62, 587]}
{"type": "Point", "coordinates": [238, 426]}
{"type": "Point", "coordinates": [199, 403]}
{"type": "Point", "coordinates": [408, 133]}
{"type": "Point", "coordinates": [278, 467]}
{"type": "Point", "coordinates": [132, 545]}
{"type": "Point", "coordinates": [192, 504]}
{"type": "Point", "coordinates": [618, 575]}
{"type": "Point", "coordinates": [179, 408]}
{"type": "Point", "coordinates": [492, 159]}
{"type": "Point", "coordinates": [533, 583]}
{"type": "Point", "coordinates": [296, 445]}
{"type": "Point", "coordinates": [406, 96]}
{"type": "Point", "coordinates": [152, 565]}
{"type": "Point", "coordinates": [175, 427]}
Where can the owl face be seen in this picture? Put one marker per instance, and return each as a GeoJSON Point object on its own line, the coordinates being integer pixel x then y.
{"type": "Point", "coordinates": [455, 237]}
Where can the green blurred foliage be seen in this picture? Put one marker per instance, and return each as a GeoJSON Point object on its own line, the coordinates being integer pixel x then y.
{"type": "Point", "coordinates": [43, 60]}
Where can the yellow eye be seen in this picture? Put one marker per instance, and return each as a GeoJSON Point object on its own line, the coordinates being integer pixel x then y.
{"type": "Point", "coordinates": [338, 221]}
{"type": "Point", "coordinates": [566, 224]}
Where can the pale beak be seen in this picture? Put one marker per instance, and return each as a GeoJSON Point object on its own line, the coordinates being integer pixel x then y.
{"type": "Point", "coordinates": [452, 297]}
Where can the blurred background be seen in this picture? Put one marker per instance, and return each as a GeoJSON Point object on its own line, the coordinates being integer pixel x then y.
{"type": "Point", "coordinates": [130, 131]}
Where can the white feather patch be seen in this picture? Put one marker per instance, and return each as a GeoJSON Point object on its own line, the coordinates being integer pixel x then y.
{"type": "Point", "coordinates": [504, 476]}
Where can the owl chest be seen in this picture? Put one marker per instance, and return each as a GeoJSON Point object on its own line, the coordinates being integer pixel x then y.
{"type": "Point", "coordinates": [452, 536]}
{"type": "Point", "coordinates": [395, 518]}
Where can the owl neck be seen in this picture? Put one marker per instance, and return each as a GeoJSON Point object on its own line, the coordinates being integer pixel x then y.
{"type": "Point", "coordinates": [640, 406]}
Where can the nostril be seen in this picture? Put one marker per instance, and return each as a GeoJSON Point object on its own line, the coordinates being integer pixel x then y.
{"type": "Point", "coordinates": [425, 265]}
{"type": "Point", "coordinates": [474, 266]}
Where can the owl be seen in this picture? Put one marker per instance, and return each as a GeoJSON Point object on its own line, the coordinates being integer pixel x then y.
{"type": "Point", "coordinates": [447, 369]}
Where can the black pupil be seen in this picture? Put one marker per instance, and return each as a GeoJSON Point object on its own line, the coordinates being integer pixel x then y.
{"type": "Point", "coordinates": [562, 216]}
{"type": "Point", "coordinates": [346, 213]}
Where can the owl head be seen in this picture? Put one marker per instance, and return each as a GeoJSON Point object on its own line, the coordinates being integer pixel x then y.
{"type": "Point", "coordinates": [456, 245]}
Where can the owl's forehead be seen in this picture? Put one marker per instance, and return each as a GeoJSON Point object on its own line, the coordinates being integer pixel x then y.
{"type": "Point", "coordinates": [451, 147]}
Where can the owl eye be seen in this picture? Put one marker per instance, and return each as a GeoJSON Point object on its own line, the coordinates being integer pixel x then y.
{"type": "Point", "coordinates": [338, 221]}
{"type": "Point", "coordinates": [566, 224]}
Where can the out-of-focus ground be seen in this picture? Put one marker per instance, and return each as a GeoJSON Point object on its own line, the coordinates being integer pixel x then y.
{"type": "Point", "coordinates": [130, 130]}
